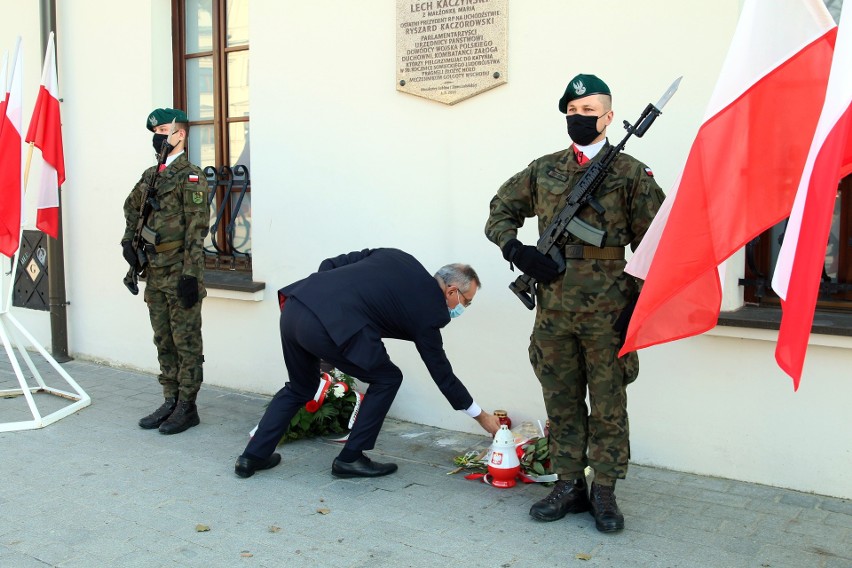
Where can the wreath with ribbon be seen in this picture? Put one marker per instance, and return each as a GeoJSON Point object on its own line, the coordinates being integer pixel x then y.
{"type": "Point", "coordinates": [332, 411]}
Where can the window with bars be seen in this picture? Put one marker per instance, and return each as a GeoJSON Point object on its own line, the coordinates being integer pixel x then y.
{"type": "Point", "coordinates": [211, 78]}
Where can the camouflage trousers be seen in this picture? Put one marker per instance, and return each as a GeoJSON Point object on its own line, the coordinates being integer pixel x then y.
{"type": "Point", "coordinates": [573, 353]}
{"type": "Point", "coordinates": [177, 333]}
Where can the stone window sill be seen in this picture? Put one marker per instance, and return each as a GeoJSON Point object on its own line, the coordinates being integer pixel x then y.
{"type": "Point", "coordinates": [233, 285]}
{"type": "Point", "coordinates": [825, 322]}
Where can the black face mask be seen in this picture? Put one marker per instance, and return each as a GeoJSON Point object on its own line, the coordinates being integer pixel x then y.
{"type": "Point", "coordinates": [159, 140]}
{"type": "Point", "coordinates": [582, 128]}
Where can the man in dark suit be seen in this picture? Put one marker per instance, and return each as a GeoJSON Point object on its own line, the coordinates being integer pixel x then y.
{"type": "Point", "coordinates": [340, 314]}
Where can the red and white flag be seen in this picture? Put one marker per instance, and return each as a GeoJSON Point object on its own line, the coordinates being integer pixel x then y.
{"type": "Point", "coordinates": [742, 170]}
{"type": "Point", "coordinates": [802, 257]}
{"type": "Point", "coordinates": [11, 152]}
{"type": "Point", "coordinates": [45, 132]}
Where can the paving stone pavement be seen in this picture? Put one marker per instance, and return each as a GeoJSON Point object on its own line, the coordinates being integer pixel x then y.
{"type": "Point", "coordinates": [95, 490]}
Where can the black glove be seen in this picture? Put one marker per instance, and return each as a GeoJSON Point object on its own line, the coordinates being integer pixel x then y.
{"type": "Point", "coordinates": [188, 291]}
{"type": "Point", "coordinates": [531, 261]}
{"type": "Point", "coordinates": [128, 253]}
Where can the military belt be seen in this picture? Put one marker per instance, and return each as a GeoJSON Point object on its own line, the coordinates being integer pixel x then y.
{"type": "Point", "coordinates": [162, 247]}
{"type": "Point", "coordinates": [587, 252]}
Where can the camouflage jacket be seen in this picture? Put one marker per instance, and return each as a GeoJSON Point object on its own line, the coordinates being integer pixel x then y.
{"type": "Point", "coordinates": [183, 215]}
{"type": "Point", "coordinates": [630, 197]}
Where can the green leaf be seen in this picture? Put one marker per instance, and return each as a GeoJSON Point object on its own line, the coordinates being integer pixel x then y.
{"type": "Point", "coordinates": [538, 468]}
{"type": "Point", "coordinates": [325, 412]}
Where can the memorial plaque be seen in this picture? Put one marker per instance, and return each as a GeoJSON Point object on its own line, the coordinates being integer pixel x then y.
{"type": "Point", "coordinates": [450, 50]}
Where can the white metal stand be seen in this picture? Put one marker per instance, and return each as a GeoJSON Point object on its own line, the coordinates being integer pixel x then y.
{"type": "Point", "coordinates": [11, 331]}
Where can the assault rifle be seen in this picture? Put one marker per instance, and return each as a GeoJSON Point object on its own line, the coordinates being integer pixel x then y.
{"type": "Point", "coordinates": [149, 203]}
{"type": "Point", "coordinates": [553, 239]}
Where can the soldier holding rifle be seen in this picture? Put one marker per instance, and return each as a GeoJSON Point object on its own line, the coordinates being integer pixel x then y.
{"type": "Point", "coordinates": [167, 218]}
{"type": "Point", "coordinates": [576, 272]}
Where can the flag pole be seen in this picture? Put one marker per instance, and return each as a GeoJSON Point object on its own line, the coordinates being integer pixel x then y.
{"type": "Point", "coordinates": [55, 247]}
{"type": "Point", "coordinates": [27, 166]}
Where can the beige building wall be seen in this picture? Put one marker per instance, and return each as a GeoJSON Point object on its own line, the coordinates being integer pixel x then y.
{"type": "Point", "coordinates": [342, 161]}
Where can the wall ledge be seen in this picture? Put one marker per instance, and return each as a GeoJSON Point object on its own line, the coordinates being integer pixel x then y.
{"type": "Point", "coordinates": [830, 329]}
{"type": "Point", "coordinates": [233, 285]}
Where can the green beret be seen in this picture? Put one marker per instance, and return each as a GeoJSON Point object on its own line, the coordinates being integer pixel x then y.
{"type": "Point", "coordinates": [164, 116]}
{"type": "Point", "coordinates": [582, 86]}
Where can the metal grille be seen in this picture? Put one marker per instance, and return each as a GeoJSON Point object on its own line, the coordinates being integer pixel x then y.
{"type": "Point", "coordinates": [227, 247]}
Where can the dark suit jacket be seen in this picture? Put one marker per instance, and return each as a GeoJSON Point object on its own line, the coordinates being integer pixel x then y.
{"type": "Point", "coordinates": [364, 296]}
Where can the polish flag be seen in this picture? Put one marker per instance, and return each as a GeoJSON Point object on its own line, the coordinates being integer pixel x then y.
{"type": "Point", "coordinates": [742, 171]}
{"type": "Point", "coordinates": [46, 133]}
{"type": "Point", "coordinates": [11, 151]}
{"type": "Point", "coordinates": [802, 257]}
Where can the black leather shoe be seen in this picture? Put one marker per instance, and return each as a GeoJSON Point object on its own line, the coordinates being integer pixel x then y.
{"type": "Point", "coordinates": [245, 467]}
{"type": "Point", "coordinates": [185, 416]}
{"type": "Point", "coordinates": [159, 416]}
{"type": "Point", "coordinates": [362, 467]}
{"type": "Point", "coordinates": [566, 497]}
{"type": "Point", "coordinates": [608, 517]}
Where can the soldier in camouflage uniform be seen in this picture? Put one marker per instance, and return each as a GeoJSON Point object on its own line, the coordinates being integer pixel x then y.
{"type": "Point", "coordinates": [174, 240]}
{"type": "Point", "coordinates": [582, 313]}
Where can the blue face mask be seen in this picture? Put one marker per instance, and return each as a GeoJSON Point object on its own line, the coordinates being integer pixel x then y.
{"type": "Point", "coordinates": [459, 309]}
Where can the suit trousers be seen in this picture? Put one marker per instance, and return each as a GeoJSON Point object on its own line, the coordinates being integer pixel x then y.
{"type": "Point", "coordinates": [305, 342]}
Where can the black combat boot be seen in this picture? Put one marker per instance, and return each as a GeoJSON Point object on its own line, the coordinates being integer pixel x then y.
{"type": "Point", "coordinates": [159, 416]}
{"type": "Point", "coordinates": [566, 497]}
{"type": "Point", "coordinates": [184, 417]}
{"type": "Point", "coordinates": [608, 517]}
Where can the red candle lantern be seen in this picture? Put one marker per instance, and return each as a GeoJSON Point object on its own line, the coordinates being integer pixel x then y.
{"type": "Point", "coordinates": [503, 418]}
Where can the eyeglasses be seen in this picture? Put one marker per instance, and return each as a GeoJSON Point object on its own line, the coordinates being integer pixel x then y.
{"type": "Point", "coordinates": [467, 301]}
